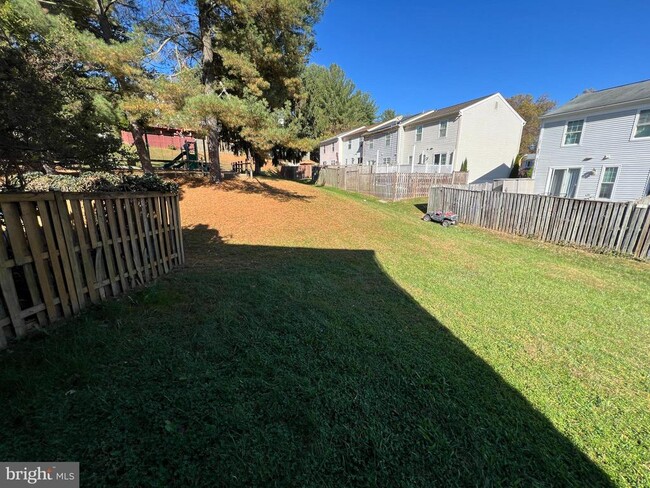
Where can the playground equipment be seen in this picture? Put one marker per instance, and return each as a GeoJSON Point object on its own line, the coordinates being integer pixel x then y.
{"type": "Point", "coordinates": [188, 158]}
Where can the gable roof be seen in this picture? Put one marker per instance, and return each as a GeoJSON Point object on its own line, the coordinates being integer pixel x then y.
{"type": "Point", "coordinates": [343, 134]}
{"type": "Point", "coordinates": [445, 112]}
{"type": "Point", "coordinates": [389, 124]}
{"type": "Point", "coordinates": [358, 130]}
{"type": "Point", "coordinates": [604, 98]}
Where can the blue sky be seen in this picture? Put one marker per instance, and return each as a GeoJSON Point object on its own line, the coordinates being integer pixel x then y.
{"type": "Point", "coordinates": [413, 55]}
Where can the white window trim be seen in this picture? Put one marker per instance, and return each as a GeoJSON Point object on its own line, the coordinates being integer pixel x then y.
{"type": "Point", "coordinates": [582, 134]}
{"type": "Point", "coordinates": [421, 129]}
{"type": "Point", "coordinates": [634, 127]}
{"type": "Point", "coordinates": [600, 182]}
{"type": "Point", "coordinates": [440, 129]}
{"type": "Point", "coordinates": [446, 155]}
{"type": "Point", "coordinates": [550, 172]}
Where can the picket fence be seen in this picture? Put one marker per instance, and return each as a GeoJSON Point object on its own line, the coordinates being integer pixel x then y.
{"type": "Point", "coordinates": [387, 186]}
{"type": "Point", "coordinates": [604, 226]}
{"type": "Point", "coordinates": [60, 252]}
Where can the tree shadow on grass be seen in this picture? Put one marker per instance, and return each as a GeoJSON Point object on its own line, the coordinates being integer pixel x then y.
{"type": "Point", "coordinates": [259, 186]}
{"type": "Point", "coordinates": [275, 366]}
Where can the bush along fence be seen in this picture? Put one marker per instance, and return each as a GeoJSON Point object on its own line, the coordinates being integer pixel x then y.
{"type": "Point", "coordinates": [603, 226]}
{"type": "Point", "coordinates": [63, 251]}
{"type": "Point", "coordinates": [388, 186]}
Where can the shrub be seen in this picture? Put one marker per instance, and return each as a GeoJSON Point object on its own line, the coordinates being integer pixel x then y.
{"type": "Point", "coordinates": [514, 169]}
{"type": "Point", "coordinates": [97, 182]}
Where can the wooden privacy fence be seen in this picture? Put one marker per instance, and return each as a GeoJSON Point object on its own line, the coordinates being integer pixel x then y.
{"type": "Point", "coordinates": [61, 251]}
{"type": "Point", "coordinates": [388, 186]}
{"type": "Point", "coordinates": [607, 226]}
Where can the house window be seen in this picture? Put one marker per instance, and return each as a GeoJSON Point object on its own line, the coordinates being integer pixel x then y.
{"type": "Point", "coordinates": [388, 140]}
{"type": "Point", "coordinates": [436, 159]}
{"type": "Point", "coordinates": [332, 147]}
{"type": "Point", "coordinates": [349, 144]}
{"type": "Point", "coordinates": [443, 128]}
{"type": "Point", "coordinates": [573, 132]}
{"type": "Point", "coordinates": [607, 183]}
{"type": "Point", "coordinates": [451, 159]}
{"type": "Point", "coordinates": [564, 182]}
{"type": "Point", "coordinates": [443, 159]}
{"type": "Point", "coordinates": [410, 159]}
{"type": "Point", "coordinates": [421, 159]}
{"type": "Point", "coordinates": [371, 144]}
{"type": "Point", "coordinates": [418, 133]}
{"type": "Point", "coordinates": [386, 160]}
{"type": "Point", "coordinates": [642, 128]}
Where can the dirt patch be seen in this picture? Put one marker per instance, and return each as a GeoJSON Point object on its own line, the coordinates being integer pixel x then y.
{"type": "Point", "coordinates": [267, 211]}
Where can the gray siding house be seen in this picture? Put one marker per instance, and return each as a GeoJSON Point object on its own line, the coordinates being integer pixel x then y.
{"type": "Point", "coordinates": [380, 143]}
{"type": "Point", "coordinates": [597, 146]}
{"type": "Point", "coordinates": [486, 131]}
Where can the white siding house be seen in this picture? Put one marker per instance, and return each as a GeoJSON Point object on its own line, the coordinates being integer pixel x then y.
{"type": "Point", "coordinates": [485, 131]}
{"type": "Point", "coordinates": [352, 152]}
{"type": "Point", "coordinates": [329, 151]}
{"type": "Point", "coordinates": [337, 149]}
{"type": "Point", "coordinates": [597, 146]}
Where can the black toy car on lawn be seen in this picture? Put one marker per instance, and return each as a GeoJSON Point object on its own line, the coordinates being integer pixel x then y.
{"type": "Point", "coordinates": [444, 218]}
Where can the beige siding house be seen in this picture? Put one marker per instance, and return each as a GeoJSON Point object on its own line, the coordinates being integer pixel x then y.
{"type": "Point", "coordinates": [485, 131]}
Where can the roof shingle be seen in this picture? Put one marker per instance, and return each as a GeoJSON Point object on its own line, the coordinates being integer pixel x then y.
{"type": "Point", "coordinates": [605, 98]}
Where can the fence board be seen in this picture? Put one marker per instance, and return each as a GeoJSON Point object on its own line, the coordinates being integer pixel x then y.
{"type": "Point", "coordinates": [67, 250]}
{"type": "Point", "coordinates": [393, 185]}
{"type": "Point", "coordinates": [589, 223]}
{"type": "Point", "coordinates": [22, 256]}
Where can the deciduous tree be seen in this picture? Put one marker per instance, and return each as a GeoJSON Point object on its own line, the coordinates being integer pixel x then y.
{"type": "Point", "coordinates": [530, 110]}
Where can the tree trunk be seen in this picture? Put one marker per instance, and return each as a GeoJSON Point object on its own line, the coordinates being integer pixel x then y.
{"type": "Point", "coordinates": [213, 150]}
{"type": "Point", "coordinates": [208, 79]}
{"type": "Point", "coordinates": [259, 163]}
{"type": "Point", "coordinates": [104, 22]}
{"type": "Point", "coordinates": [137, 131]}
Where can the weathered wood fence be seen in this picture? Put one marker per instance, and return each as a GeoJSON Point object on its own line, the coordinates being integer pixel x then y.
{"type": "Point", "coordinates": [605, 226]}
{"type": "Point", "coordinates": [388, 186]}
{"type": "Point", "coordinates": [61, 251]}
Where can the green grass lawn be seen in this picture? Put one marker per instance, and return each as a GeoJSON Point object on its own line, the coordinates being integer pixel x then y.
{"type": "Point", "coordinates": [402, 354]}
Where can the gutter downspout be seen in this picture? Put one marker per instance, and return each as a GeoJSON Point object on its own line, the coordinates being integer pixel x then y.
{"type": "Point", "coordinates": [456, 148]}
{"type": "Point", "coordinates": [413, 160]}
